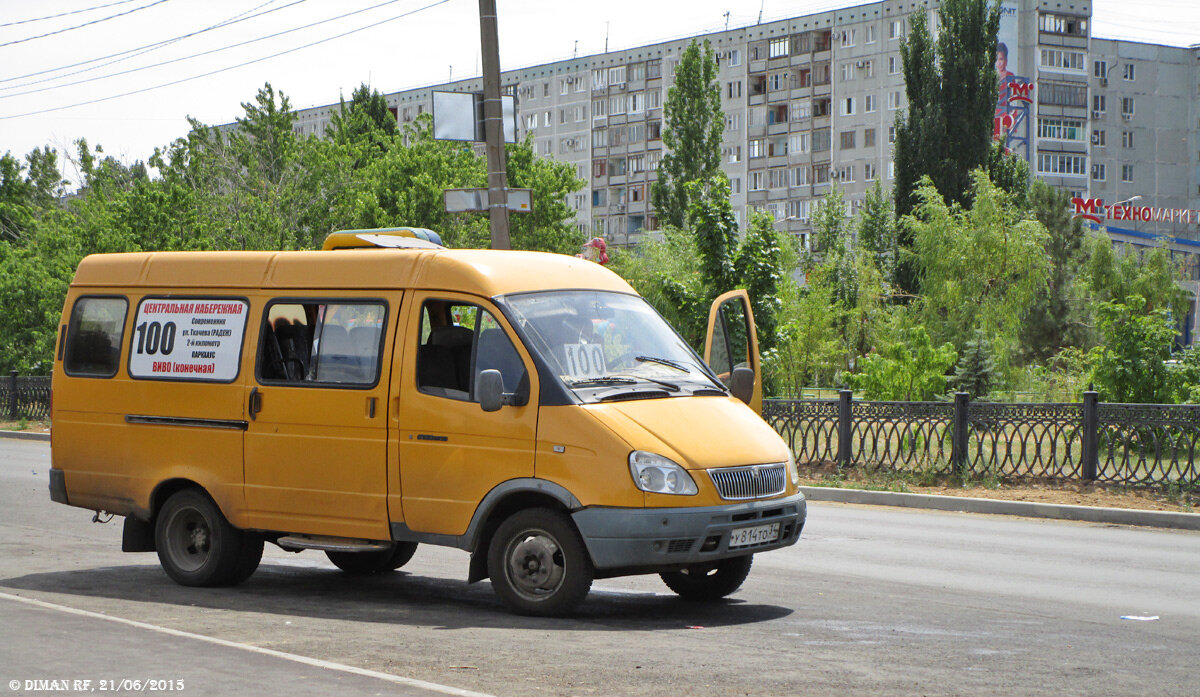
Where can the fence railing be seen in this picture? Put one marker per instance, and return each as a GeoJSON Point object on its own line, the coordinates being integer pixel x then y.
{"type": "Point", "coordinates": [1085, 441]}
{"type": "Point", "coordinates": [24, 397]}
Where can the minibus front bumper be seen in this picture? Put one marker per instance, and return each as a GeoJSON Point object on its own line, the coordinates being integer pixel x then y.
{"type": "Point", "coordinates": [663, 538]}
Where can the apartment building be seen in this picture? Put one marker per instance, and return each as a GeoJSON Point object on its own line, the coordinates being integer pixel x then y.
{"type": "Point", "coordinates": [812, 100]}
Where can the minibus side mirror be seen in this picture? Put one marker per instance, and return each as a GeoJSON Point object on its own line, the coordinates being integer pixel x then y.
{"type": "Point", "coordinates": [489, 387]}
{"type": "Point", "coordinates": [741, 384]}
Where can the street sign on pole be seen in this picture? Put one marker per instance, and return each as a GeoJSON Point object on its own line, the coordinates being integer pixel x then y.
{"type": "Point", "coordinates": [476, 200]}
{"type": "Point", "coordinates": [459, 116]}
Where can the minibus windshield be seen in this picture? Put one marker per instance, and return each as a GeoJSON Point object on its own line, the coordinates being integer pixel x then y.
{"type": "Point", "coordinates": [609, 345]}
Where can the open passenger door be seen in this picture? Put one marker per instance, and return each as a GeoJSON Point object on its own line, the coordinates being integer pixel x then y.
{"type": "Point", "coordinates": [732, 345]}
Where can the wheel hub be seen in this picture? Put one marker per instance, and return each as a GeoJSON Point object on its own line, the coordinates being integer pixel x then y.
{"type": "Point", "coordinates": [535, 565]}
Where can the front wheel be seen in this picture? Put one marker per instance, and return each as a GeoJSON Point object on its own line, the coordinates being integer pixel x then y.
{"type": "Point", "coordinates": [713, 581]}
{"type": "Point", "coordinates": [365, 563]}
{"type": "Point", "coordinates": [198, 547]}
{"type": "Point", "coordinates": [538, 563]}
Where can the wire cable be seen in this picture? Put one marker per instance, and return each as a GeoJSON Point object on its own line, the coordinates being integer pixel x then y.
{"type": "Point", "coordinates": [226, 69]}
{"type": "Point", "coordinates": [148, 48]}
{"type": "Point", "coordinates": [64, 14]}
{"type": "Point", "coordinates": [196, 55]}
{"type": "Point", "coordinates": [160, 64]}
{"type": "Point", "coordinates": [84, 24]}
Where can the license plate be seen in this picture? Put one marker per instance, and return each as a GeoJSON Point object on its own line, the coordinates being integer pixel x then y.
{"type": "Point", "coordinates": [756, 535]}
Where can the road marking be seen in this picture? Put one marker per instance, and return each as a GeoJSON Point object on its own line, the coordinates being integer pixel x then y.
{"type": "Point", "coordinates": [315, 662]}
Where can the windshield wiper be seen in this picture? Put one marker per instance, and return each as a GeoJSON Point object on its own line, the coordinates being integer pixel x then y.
{"type": "Point", "coordinates": [663, 361]}
{"type": "Point", "coordinates": [621, 380]}
{"type": "Point", "coordinates": [588, 382]}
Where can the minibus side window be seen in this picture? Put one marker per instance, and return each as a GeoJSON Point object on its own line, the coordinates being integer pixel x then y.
{"type": "Point", "coordinates": [322, 343]}
{"type": "Point", "coordinates": [94, 337]}
{"type": "Point", "coordinates": [459, 340]}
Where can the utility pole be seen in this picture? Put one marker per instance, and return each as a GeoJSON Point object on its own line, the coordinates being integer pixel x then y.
{"type": "Point", "coordinates": [493, 125]}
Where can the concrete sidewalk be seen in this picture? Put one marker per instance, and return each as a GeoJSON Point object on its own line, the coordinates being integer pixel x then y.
{"type": "Point", "coordinates": [1090, 514]}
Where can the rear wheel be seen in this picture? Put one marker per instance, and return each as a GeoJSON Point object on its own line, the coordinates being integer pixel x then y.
{"type": "Point", "coordinates": [198, 547]}
{"type": "Point", "coordinates": [364, 563]}
{"type": "Point", "coordinates": [538, 563]}
{"type": "Point", "coordinates": [709, 581]}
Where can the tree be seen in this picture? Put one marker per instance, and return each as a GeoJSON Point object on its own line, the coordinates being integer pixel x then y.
{"type": "Point", "coordinates": [758, 267]}
{"type": "Point", "coordinates": [1054, 320]}
{"type": "Point", "coordinates": [877, 229]}
{"type": "Point", "coordinates": [980, 268]}
{"type": "Point", "coordinates": [909, 369]}
{"type": "Point", "coordinates": [1131, 365]}
{"type": "Point", "coordinates": [365, 118]}
{"type": "Point", "coordinates": [976, 372]}
{"type": "Point", "coordinates": [951, 87]}
{"type": "Point", "coordinates": [692, 128]}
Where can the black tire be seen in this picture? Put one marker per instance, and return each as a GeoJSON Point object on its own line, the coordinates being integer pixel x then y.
{"type": "Point", "coordinates": [538, 563]}
{"type": "Point", "coordinates": [707, 582]}
{"type": "Point", "coordinates": [198, 547]}
{"type": "Point", "coordinates": [364, 563]}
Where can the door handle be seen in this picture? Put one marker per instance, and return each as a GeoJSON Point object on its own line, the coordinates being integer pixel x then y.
{"type": "Point", "coordinates": [255, 405]}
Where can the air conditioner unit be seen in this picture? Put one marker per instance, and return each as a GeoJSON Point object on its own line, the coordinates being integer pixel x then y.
{"type": "Point", "coordinates": [1127, 117]}
{"type": "Point", "coordinates": [860, 64]}
{"type": "Point", "coordinates": [1097, 114]}
{"type": "Point", "coordinates": [1104, 82]}
{"type": "Point", "coordinates": [1095, 139]}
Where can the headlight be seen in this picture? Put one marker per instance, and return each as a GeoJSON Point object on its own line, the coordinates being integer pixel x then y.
{"type": "Point", "coordinates": [659, 475]}
{"type": "Point", "coordinates": [793, 471]}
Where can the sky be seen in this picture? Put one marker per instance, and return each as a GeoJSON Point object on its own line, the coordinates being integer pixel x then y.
{"type": "Point", "coordinates": [390, 44]}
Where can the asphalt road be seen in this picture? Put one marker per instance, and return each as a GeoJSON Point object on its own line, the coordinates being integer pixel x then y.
{"type": "Point", "coordinates": [870, 602]}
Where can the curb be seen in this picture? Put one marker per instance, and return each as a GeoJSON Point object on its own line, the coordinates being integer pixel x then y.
{"type": "Point", "coordinates": [24, 435]}
{"type": "Point", "coordinates": [1088, 514]}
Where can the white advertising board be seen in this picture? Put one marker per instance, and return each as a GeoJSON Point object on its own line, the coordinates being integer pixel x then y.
{"type": "Point", "coordinates": [188, 339]}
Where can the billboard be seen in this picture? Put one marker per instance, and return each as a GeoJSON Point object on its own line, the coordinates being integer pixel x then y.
{"type": "Point", "coordinates": [1011, 124]}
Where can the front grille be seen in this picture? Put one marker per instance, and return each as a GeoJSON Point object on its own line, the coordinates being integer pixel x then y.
{"type": "Point", "coordinates": [677, 546]}
{"type": "Point", "coordinates": [753, 482]}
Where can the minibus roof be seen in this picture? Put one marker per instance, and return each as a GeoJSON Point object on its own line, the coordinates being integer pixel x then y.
{"type": "Point", "coordinates": [482, 272]}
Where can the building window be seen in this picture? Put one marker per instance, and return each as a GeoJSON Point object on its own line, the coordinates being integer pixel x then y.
{"type": "Point", "coordinates": [891, 134]}
{"type": "Point", "coordinates": [616, 76]}
{"type": "Point", "coordinates": [564, 87]}
{"type": "Point", "coordinates": [778, 47]}
{"type": "Point", "coordinates": [1099, 103]}
{"type": "Point", "coordinates": [756, 148]}
{"type": "Point", "coordinates": [654, 68]}
{"type": "Point", "coordinates": [1127, 106]}
{"type": "Point", "coordinates": [599, 108]}
{"type": "Point", "coordinates": [637, 72]}
{"type": "Point", "coordinates": [733, 122]}
{"type": "Point", "coordinates": [821, 174]}
{"type": "Point", "coordinates": [637, 132]}
{"type": "Point", "coordinates": [847, 72]}
{"type": "Point", "coordinates": [616, 105]}
{"type": "Point", "coordinates": [1062, 94]}
{"type": "Point", "coordinates": [800, 176]}
{"type": "Point", "coordinates": [1098, 137]}
{"type": "Point", "coordinates": [616, 136]}
{"type": "Point", "coordinates": [798, 143]}
{"type": "Point", "coordinates": [846, 140]}
{"type": "Point", "coordinates": [869, 138]}
{"type": "Point", "coordinates": [821, 139]}
{"type": "Point", "coordinates": [1100, 69]}
{"type": "Point", "coordinates": [869, 104]}
{"type": "Point", "coordinates": [1062, 24]}
{"type": "Point", "coordinates": [894, 100]}
{"type": "Point", "coordinates": [1127, 139]}
{"type": "Point", "coordinates": [735, 57]}
{"type": "Point", "coordinates": [777, 114]}
{"type": "Point", "coordinates": [653, 98]}
{"type": "Point", "coordinates": [801, 111]}
{"type": "Point", "coordinates": [848, 37]}
{"type": "Point", "coordinates": [895, 29]}
{"type": "Point", "coordinates": [820, 107]}
{"type": "Point", "coordinates": [755, 181]}
{"type": "Point", "coordinates": [637, 102]}
{"type": "Point", "coordinates": [775, 82]}
{"type": "Point", "coordinates": [869, 172]}
{"type": "Point", "coordinates": [734, 153]}
{"type": "Point", "coordinates": [893, 65]}
{"type": "Point", "coordinates": [870, 33]}
{"type": "Point", "coordinates": [733, 90]}
{"type": "Point", "coordinates": [735, 185]}
{"type": "Point", "coordinates": [777, 178]}
{"type": "Point", "coordinates": [777, 146]}
{"type": "Point", "coordinates": [1098, 172]}
{"type": "Point", "coordinates": [653, 130]}
{"type": "Point", "coordinates": [1061, 129]}
{"type": "Point", "coordinates": [600, 138]}
{"type": "Point", "coordinates": [1062, 164]}
{"type": "Point", "coordinates": [1128, 73]}
{"type": "Point", "coordinates": [1127, 173]}
{"type": "Point", "coordinates": [1057, 59]}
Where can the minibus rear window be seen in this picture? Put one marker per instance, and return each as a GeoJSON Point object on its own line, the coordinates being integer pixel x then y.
{"type": "Point", "coordinates": [94, 336]}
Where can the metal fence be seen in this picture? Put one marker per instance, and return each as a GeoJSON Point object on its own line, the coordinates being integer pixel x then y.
{"type": "Point", "coordinates": [24, 397]}
{"type": "Point", "coordinates": [1084, 441]}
